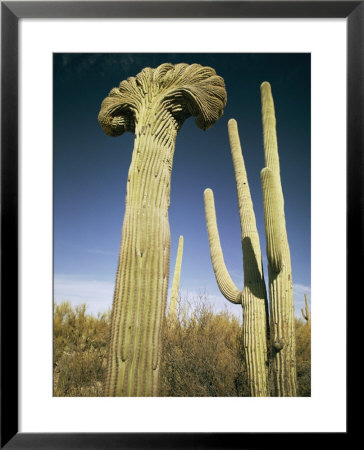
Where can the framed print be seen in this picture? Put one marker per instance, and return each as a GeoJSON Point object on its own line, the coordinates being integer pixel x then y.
{"type": "Point", "coordinates": [63, 180]}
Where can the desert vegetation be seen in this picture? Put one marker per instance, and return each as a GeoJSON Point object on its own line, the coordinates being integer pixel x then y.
{"type": "Point", "coordinates": [138, 349]}
{"type": "Point", "coordinates": [202, 352]}
{"type": "Point", "coordinates": [79, 351]}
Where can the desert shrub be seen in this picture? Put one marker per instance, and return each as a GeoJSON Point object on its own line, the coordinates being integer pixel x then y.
{"type": "Point", "coordinates": [200, 355]}
{"type": "Point", "coordinates": [79, 351]}
{"type": "Point", "coordinates": [303, 358]}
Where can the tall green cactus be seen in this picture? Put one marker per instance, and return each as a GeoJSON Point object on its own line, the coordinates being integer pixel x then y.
{"type": "Point", "coordinates": [281, 329]}
{"type": "Point", "coordinates": [153, 105]}
{"type": "Point", "coordinates": [253, 297]}
{"type": "Point", "coordinates": [282, 323]}
{"type": "Point", "coordinates": [172, 310]}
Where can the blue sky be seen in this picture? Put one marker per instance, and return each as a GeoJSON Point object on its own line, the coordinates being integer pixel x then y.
{"type": "Point", "coordinates": [90, 172]}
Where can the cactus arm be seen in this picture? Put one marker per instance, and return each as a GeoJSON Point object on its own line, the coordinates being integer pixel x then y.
{"type": "Point", "coordinates": [272, 211]}
{"type": "Point", "coordinates": [224, 281]}
{"type": "Point", "coordinates": [252, 255]}
{"type": "Point", "coordinates": [269, 128]}
{"type": "Point", "coordinates": [172, 311]}
{"type": "Point", "coordinates": [246, 211]}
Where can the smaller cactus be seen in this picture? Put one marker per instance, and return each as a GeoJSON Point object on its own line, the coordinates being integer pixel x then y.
{"type": "Point", "coordinates": [253, 296]}
{"type": "Point", "coordinates": [282, 331]}
{"type": "Point", "coordinates": [306, 314]}
{"type": "Point", "coordinates": [172, 311]}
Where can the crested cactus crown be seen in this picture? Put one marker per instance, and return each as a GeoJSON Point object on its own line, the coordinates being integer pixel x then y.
{"type": "Point", "coordinates": [183, 90]}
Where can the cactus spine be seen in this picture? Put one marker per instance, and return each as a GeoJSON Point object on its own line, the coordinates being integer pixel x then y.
{"type": "Point", "coordinates": [172, 311]}
{"type": "Point", "coordinates": [282, 325]}
{"type": "Point", "coordinates": [153, 105]}
{"type": "Point", "coordinates": [253, 297]}
{"type": "Point", "coordinates": [306, 314]}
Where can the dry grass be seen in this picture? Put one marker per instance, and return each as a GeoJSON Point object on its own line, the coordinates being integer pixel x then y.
{"type": "Point", "coordinates": [202, 353]}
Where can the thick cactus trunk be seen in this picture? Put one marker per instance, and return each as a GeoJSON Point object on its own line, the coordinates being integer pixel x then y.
{"type": "Point", "coordinates": [172, 310]}
{"type": "Point", "coordinates": [142, 277]}
{"type": "Point", "coordinates": [153, 105]}
{"type": "Point", "coordinates": [282, 324]}
{"type": "Point", "coordinates": [253, 297]}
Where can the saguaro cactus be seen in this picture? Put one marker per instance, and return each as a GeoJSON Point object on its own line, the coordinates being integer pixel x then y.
{"type": "Point", "coordinates": [253, 297]}
{"type": "Point", "coordinates": [282, 325]}
{"type": "Point", "coordinates": [153, 105]}
{"type": "Point", "coordinates": [172, 310]}
{"type": "Point", "coordinates": [306, 313]}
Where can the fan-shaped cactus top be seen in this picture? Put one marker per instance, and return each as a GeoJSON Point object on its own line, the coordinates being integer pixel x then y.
{"type": "Point", "coordinates": [183, 90]}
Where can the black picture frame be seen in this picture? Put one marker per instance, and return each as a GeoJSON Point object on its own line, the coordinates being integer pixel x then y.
{"type": "Point", "coordinates": [11, 12]}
